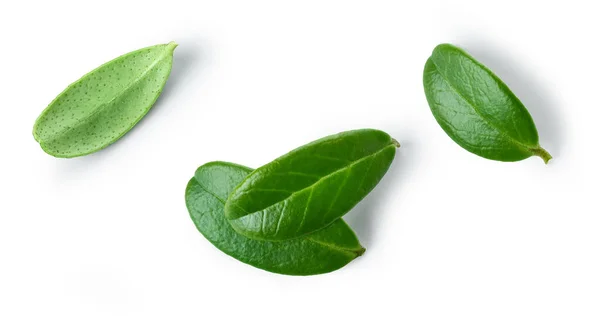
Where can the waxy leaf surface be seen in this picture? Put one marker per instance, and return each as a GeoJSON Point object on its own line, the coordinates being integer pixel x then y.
{"type": "Point", "coordinates": [103, 105]}
{"type": "Point", "coordinates": [324, 251]}
{"type": "Point", "coordinates": [310, 187]}
{"type": "Point", "coordinates": [476, 109]}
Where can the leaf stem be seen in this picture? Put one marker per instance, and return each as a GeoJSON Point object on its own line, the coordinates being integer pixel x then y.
{"type": "Point", "coordinates": [542, 153]}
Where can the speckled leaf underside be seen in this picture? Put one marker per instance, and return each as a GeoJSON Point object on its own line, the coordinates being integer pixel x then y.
{"type": "Point", "coordinates": [310, 187]}
{"type": "Point", "coordinates": [103, 105]}
{"type": "Point", "coordinates": [325, 251]}
{"type": "Point", "coordinates": [476, 109]}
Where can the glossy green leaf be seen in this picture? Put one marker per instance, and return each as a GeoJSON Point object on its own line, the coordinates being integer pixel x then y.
{"type": "Point", "coordinates": [476, 109]}
{"type": "Point", "coordinates": [310, 187]}
{"type": "Point", "coordinates": [324, 251]}
{"type": "Point", "coordinates": [103, 105]}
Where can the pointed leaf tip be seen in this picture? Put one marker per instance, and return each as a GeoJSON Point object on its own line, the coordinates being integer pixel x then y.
{"type": "Point", "coordinates": [172, 45]}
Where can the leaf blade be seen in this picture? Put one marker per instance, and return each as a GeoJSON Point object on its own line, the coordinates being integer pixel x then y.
{"type": "Point", "coordinates": [103, 105]}
{"type": "Point", "coordinates": [322, 252]}
{"type": "Point", "coordinates": [307, 202]}
{"type": "Point", "coordinates": [476, 109]}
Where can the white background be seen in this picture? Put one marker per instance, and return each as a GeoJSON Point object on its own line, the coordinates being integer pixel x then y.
{"type": "Point", "coordinates": [446, 232]}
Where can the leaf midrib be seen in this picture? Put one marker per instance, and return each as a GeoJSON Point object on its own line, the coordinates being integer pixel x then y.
{"type": "Point", "coordinates": [351, 251]}
{"type": "Point", "coordinates": [102, 106]}
{"type": "Point", "coordinates": [355, 162]}
{"type": "Point", "coordinates": [508, 137]}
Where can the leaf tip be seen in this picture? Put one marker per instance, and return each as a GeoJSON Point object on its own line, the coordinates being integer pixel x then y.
{"type": "Point", "coordinates": [360, 252]}
{"type": "Point", "coordinates": [172, 45]}
{"type": "Point", "coordinates": [396, 143]}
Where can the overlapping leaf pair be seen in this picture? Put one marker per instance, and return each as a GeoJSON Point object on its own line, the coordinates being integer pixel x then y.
{"type": "Point", "coordinates": [285, 216]}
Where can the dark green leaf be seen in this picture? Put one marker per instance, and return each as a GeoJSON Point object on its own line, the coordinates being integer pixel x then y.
{"type": "Point", "coordinates": [310, 187]}
{"type": "Point", "coordinates": [324, 251]}
{"type": "Point", "coordinates": [476, 109]}
{"type": "Point", "coordinates": [103, 105]}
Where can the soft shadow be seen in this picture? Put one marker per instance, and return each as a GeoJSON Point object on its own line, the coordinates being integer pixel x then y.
{"type": "Point", "coordinates": [538, 99]}
{"type": "Point", "coordinates": [364, 218]}
{"type": "Point", "coordinates": [187, 59]}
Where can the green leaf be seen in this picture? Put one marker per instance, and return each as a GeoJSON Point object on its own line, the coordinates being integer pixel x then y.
{"type": "Point", "coordinates": [310, 187]}
{"type": "Point", "coordinates": [476, 109]}
{"type": "Point", "coordinates": [324, 251]}
{"type": "Point", "coordinates": [103, 105]}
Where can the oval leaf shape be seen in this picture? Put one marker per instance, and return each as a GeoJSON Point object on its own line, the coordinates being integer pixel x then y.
{"type": "Point", "coordinates": [324, 251]}
{"type": "Point", "coordinates": [103, 105]}
{"type": "Point", "coordinates": [310, 187]}
{"type": "Point", "coordinates": [476, 109]}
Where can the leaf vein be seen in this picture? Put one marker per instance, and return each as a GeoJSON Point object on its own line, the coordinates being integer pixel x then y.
{"type": "Point", "coordinates": [312, 190]}
{"type": "Point", "coordinates": [508, 137]}
{"type": "Point", "coordinates": [352, 252]}
{"type": "Point", "coordinates": [337, 194]}
{"type": "Point", "coordinates": [342, 169]}
{"type": "Point", "coordinates": [102, 106]}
